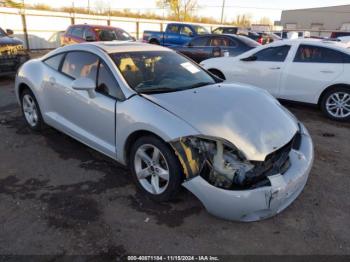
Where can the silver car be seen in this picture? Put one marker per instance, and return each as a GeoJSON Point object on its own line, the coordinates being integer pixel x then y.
{"type": "Point", "coordinates": [233, 146]}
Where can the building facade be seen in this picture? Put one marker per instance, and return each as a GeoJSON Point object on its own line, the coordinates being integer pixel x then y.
{"type": "Point", "coordinates": [331, 18]}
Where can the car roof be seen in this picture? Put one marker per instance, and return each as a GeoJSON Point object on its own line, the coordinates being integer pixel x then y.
{"type": "Point", "coordinates": [94, 26]}
{"type": "Point", "coordinates": [310, 41]}
{"type": "Point", "coordinates": [109, 47]}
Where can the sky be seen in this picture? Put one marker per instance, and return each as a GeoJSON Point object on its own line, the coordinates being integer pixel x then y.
{"type": "Point", "coordinates": [210, 8]}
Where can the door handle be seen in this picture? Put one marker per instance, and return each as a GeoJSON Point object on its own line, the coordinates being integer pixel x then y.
{"type": "Point", "coordinates": [275, 68]}
{"type": "Point", "coordinates": [327, 71]}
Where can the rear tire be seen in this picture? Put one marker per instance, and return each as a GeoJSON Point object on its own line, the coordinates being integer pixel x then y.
{"type": "Point", "coordinates": [155, 168]}
{"type": "Point", "coordinates": [335, 104]}
{"type": "Point", "coordinates": [31, 111]}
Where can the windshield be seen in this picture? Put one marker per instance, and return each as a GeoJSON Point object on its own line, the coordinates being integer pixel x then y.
{"type": "Point", "coordinates": [160, 71]}
{"type": "Point", "coordinates": [200, 30]}
{"type": "Point", "coordinates": [122, 35]}
{"type": "Point", "coordinates": [2, 33]}
{"type": "Point", "coordinates": [248, 41]}
{"type": "Point", "coordinates": [112, 34]}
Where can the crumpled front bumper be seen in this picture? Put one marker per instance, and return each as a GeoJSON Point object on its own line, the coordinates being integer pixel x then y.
{"type": "Point", "coordinates": [260, 203]}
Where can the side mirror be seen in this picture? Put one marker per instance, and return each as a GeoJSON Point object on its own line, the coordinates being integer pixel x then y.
{"type": "Point", "coordinates": [86, 84]}
{"type": "Point", "coordinates": [89, 38]}
{"type": "Point", "coordinates": [249, 58]}
{"type": "Point", "coordinates": [9, 32]}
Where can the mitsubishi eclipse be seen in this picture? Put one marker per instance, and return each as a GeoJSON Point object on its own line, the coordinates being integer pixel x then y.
{"type": "Point", "coordinates": [174, 124]}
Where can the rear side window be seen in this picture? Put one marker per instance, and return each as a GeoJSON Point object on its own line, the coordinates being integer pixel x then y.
{"type": "Point", "coordinates": [54, 61]}
{"type": "Point", "coordinates": [273, 54]}
{"type": "Point", "coordinates": [200, 41]}
{"type": "Point", "coordinates": [317, 54]}
{"type": "Point", "coordinates": [80, 64]}
{"type": "Point", "coordinates": [219, 41]}
{"type": "Point", "coordinates": [173, 28]}
{"type": "Point", "coordinates": [77, 32]}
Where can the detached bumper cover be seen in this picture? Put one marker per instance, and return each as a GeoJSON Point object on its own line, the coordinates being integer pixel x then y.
{"type": "Point", "coordinates": [260, 203]}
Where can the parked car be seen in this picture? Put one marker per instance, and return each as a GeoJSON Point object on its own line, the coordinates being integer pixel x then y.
{"type": "Point", "coordinates": [91, 33]}
{"type": "Point", "coordinates": [339, 34]}
{"type": "Point", "coordinates": [207, 46]}
{"type": "Point", "coordinates": [263, 37]}
{"type": "Point", "coordinates": [303, 70]}
{"type": "Point", "coordinates": [175, 34]}
{"type": "Point", "coordinates": [12, 53]}
{"type": "Point", "coordinates": [235, 147]}
{"type": "Point", "coordinates": [226, 30]}
{"type": "Point", "coordinates": [293, 34]}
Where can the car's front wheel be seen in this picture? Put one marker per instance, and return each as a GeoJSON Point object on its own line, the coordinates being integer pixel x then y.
{"type": "Point", "coordinates": [31, 110]}
{"type": "Point", "coordinates": [155, 168]}
{"type": "Point", "coordinates": [335, 104]}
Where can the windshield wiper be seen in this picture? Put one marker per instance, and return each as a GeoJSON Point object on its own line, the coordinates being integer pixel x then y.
{"type": "Point", "coordinates": [156, 90]}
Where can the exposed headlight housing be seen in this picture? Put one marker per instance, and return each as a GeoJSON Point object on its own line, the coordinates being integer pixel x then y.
{"type": "Point", "coordinates": [220, 162]}
{"type": "Point", "coordinates": [224, 166]}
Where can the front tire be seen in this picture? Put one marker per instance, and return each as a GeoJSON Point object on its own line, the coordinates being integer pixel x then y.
{"type": "Point", "coordinates": [335, 104]}
{"type": "Point", "coordinates": [31, 110]}
{"type": "Point", "coordinates": [155, 168]}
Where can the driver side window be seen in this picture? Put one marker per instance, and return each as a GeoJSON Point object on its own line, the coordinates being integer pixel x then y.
{"type": "Point", "coordinates": [106, 83]}
{"type": "Point", "coordinates": [273, 54]}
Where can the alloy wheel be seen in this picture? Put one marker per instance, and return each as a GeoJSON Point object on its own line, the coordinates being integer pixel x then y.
{"type": "Point", "coordinates": [151, 169]}
{"type": "Point", "coordinates": [338, 104]}
{"type": "Point", "coordinates": [30, 110]}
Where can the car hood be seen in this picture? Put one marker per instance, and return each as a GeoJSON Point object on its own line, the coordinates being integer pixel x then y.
{"type": "Point", "coordinates": [6, 40]}
{"type": "Point", "coordinates": [248, 117]}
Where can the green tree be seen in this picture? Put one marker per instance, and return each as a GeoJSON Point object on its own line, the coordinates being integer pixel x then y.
{"type": "Point", "coordinates": [243, 20]}
{"type": "Point", "coordinates": [181, 10]}
{"type": "Point", "coordinates": [12, 3]}
{"type": "Point", "coordinates": [265, 21]}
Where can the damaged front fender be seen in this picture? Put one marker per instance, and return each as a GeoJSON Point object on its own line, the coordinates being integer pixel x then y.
{"type": "Point", "coordinates": [256, 203]}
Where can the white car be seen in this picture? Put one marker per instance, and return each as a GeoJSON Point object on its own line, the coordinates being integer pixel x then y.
{"type": "Point", "coordinates": [303, 70]}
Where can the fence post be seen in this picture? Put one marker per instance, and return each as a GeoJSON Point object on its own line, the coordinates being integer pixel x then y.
{"type": "Point", "coordinates": [137, 30]}
{"type": "Point", "coordinates": [161, 27]}
{"type": "Point", "coordinates": [25, 32]}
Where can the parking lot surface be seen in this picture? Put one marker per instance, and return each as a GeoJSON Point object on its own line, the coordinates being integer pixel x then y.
{"type": "Point", "coordinates": [57, 196]}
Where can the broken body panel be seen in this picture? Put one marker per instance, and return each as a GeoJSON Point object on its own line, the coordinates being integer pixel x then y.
{"type": "Point", "coordinates": [259, 203]}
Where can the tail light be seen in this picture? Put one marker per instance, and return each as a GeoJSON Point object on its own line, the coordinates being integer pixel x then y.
{"type": "Point", "coordinates": [260, 40]}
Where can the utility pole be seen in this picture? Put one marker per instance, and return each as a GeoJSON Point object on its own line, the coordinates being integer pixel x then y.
{"type": "Point", "coordinates": [222, 11]}
{"type": "Point", "coordinates": [89, 6]}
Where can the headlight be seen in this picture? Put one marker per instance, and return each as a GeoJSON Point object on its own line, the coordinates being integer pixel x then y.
{"type": "Point", "coordinates": [220, 162]}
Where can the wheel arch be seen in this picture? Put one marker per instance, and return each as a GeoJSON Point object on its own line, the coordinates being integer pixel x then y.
{"type": "Point", "coordinates": [132, 139]}
{"type": "Point", "coordinates": [212, 70]}
{"type": "Point", "coordinates": [154, 40]}
{"type": "Point", "coordinates": [330, 88]}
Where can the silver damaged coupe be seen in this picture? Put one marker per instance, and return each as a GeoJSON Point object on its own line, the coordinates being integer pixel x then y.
{"type": "Point", "coordinates": [233, 146]}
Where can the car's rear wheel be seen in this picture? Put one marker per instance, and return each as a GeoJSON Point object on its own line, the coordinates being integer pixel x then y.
{"type": "Point", "coordinates": [335, 104]}
{"type": "Point", "coordinates": [155, 168]}
{"type": "Point", "coordinates": [31, 110]}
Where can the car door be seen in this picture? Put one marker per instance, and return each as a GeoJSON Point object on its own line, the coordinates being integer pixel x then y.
{"type": "Point", "coordinates": [262, 69]}
{"type": "Point", "coordinates": [77, 35]}
{"type": "Point", "coordinates": [186, 35]}
{"type": "Point", "coordinates": [90, 120]}
{"type": "Point", "coordinates": [171, 36]}
{"type": "Point", "coordinates": [312, 70]}
{"type": "Point", "coordinates": [197, 49]}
